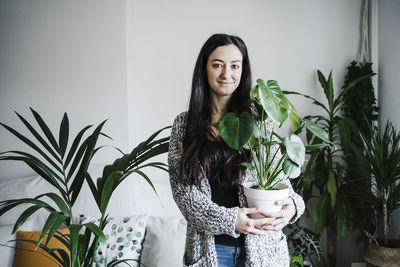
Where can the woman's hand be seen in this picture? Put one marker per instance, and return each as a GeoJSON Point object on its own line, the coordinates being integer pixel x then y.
{"type": "Point", "coordinates": [277, 220]}
{"type": "Point", "coordinates": [246, 225]}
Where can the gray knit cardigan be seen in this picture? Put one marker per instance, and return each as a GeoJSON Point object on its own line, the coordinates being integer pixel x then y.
{"type": "Point", "coordinates": [206, 219]}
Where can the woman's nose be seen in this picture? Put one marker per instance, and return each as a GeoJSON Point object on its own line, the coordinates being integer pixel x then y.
{"type": "Point", "coordinates": [226, 72]}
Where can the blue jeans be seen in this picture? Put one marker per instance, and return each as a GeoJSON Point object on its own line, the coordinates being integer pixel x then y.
{"type": "Point", "coordinates": [230, 256]}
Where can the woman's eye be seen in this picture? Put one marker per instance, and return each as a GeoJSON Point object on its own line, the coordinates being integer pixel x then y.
{"type": "Point", "coordinates": [235, 66]}
{"type": "Point", "coordinates": [216, 65]}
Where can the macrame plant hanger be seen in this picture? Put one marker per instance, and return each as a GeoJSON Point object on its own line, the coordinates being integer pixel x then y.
{"type": "Point", "coordinates": [364, 55]}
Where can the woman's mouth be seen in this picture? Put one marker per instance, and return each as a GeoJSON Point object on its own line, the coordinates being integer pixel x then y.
{"type": "Point", "coordinates": [225, 83]}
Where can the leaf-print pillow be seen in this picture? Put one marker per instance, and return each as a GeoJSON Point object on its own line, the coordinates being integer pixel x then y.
{"type": "Point", "coordinates": [124, 239]}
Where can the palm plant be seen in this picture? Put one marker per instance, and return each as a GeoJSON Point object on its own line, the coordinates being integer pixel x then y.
{"type": "Point", "coordinates": [325, 169]}
{"type": "Point", "coordinates": [66, 169]}
{"type": "Point", "coordinates": [382, 161]}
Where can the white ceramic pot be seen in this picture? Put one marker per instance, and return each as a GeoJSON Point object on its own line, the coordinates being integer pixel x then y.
{"type": "Point", "coordinates": [265, 199]}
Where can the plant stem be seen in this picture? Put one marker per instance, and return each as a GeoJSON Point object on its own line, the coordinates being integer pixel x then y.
{"type": "Point", "coordinates": [95, 239]}
{"type": "Point", "coordinates": [385, 218]}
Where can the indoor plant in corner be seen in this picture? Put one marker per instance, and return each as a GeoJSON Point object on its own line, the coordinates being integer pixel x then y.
{"type": "Point", "coordinates": [65, 166]}
{"type": "Point", "coordinates": [271, 154]}
{"type": "Point", "coordinates": [380, 165]}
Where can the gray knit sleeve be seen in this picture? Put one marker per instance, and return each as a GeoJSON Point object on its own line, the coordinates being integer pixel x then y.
{"type": "Point", "coordinates": [195, 202]}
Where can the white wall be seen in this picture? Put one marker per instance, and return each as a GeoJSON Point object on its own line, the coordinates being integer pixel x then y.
{"type": "Point", "coordinates": [63, 56]}
{"type": "Point", "coordinates": [389, 78]}
{"type": "Point", "coordinates": [287, 41]}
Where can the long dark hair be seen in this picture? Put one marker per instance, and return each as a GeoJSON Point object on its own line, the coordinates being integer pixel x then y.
{"type": "Point", "coordinates": [199, 116]}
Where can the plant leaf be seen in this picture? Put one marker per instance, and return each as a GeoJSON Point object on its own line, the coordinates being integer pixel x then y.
{"type": "Point", "coordinates": [271, 104]}
{"type": "Point", "coordinates": [291, 169]}
{"type": "Point", "coordinates": [331, 186]}
{"type": "Point", "coordinates": [236, 131]}
{"type": "Point", "coordinates": [320, 214]}
{"type": "Point", "coordinates": [24, 216]}
{"type": "Point", "coordinates": [313, 147]}
{"type": "Point", "coordinates": [295, 149]}
{"type": "Point", "coordinates": [317, 131]}
{"type": "Point", "coordinates": [63, 135]}
{"type": "Point", "coordinates": [96, 231]}
{"type": "Point", "coordinates": [45, 130]}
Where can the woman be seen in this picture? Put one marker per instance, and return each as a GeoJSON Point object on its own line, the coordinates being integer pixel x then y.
{"type": "Point", "coordinates": [206, 174]}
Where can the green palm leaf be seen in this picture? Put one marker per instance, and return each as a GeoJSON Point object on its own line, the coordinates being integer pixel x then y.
{"type": "Point", "coordinates": [45, 130]}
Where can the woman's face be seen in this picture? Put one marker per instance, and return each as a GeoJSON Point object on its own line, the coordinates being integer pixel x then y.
{"type": "Point", "coordinates": [224, 69]}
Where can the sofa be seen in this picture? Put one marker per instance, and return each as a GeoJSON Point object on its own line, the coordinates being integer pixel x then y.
{"type": "Point", "coordinates": [162, 242]}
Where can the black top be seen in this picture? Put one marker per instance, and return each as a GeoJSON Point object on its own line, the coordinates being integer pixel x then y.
{"type": "Point", "coordinates": [223, 195]}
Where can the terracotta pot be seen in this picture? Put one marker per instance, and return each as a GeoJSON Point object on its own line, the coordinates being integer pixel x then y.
{"type": "Point", "coordinates": [382, 256]}
{"type": "Point", "coordinates": [265, 199]}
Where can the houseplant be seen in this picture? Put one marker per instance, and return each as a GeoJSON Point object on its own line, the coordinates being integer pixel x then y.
{"type": "Point", "coordinates": [359, 111]}
{"type": "Point", "coordinates": [65, 167]}
{"type": "Point", "coordinates": [325, 169]}
{"type": "Point", "coordinates": [381, 165]}
{"type": "Point", "coordinates": [256, 132]}
{"type": "Point", "coordinates": [303, 245]}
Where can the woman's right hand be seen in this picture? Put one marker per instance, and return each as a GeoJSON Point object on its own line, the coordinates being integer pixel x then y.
{"type": "Point", "coordinates": [246, 225]}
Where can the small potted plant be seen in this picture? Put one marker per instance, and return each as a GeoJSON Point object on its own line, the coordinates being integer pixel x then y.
{"type": "Point", "coordinates": [271, 154]}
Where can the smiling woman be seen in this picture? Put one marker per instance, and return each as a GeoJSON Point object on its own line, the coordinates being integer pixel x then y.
{"type": "Point", "coordinates": [207, 175]}
{"type": "Point", "coordinates": [224, 69]}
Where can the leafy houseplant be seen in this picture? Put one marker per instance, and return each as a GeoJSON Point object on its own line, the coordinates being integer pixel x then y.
{"type": "Point", "coordinates": [66, 168]}
{"type": "Point", "coordinates": [382, 161]}
{"type": "Point", "coordinates": [304, 245]}
{"type": "Point", "coordinates": [253, 132]}
{"type": "Point", "coordinates": [325, 169]}
{"type": "Point", "coordinates": [359, 111]}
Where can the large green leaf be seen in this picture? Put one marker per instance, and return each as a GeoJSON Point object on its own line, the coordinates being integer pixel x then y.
{"type": "Point", "coordinates": [97, 232]}
{"type": "Point", "coordinates": [291, 169]}
{"type": "Point", "coordinates": [271, 103]}
{"type": "Point", "coordinates": [24, 216]}
{"type": "Point", "coordinates": [47, 225]}
{"type": "Point", "coordinates": [295, 149]}
{"type": "Point", "coordinates": [236, 131]}
{"type": "Point", "coordinates": [332, 189]}
{"type": "Point", "coordinates": [76, 185]}
{"type": "Point", "coordinates": [75, 145]}
{"type": "Point", "coordinates": [64, 207]}
{"type": "Point", "coordinates": [111, 182]}
{"type": "Point", "coordinates": [7, 205]}
{"type": "Point", "coordinates": [284, 102]}
{"type": "Point", "coordinates": [317, 131]}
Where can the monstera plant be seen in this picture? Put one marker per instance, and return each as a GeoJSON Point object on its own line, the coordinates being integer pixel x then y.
{"type": "Point", "coordinates": [65, 166]}
{"type": "Point", "coordinates": [256, 132]}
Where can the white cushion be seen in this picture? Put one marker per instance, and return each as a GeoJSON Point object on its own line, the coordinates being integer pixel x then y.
{"type": "Point", "coordinates": [164, 243]}
{"type": "Point", "coordinates": [124, 239]}
{"type": "Point", "coordinates": [7, 248]}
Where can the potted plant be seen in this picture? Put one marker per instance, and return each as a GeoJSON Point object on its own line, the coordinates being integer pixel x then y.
{"type": "Point", "coordinates": [65, 166]}
{"type": "Point", "coordinates": [271, 154]}
{"type": "Point", "coordinates": [325, 169]}
{"type": "Point", "coordinates": [381, 166]}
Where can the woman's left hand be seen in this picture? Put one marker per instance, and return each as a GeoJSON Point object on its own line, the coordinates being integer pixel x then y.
{"type": "Point", "coordinates": [279, 219]}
